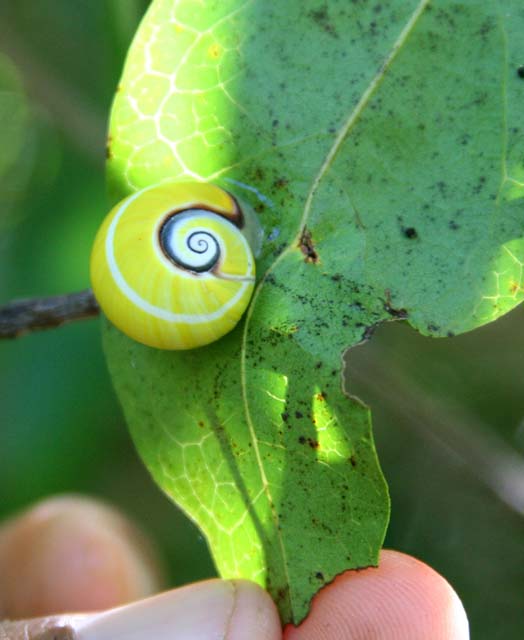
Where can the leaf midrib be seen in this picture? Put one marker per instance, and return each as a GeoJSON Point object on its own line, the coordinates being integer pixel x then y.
{"type": "Point", "coordinates": [337, 144]}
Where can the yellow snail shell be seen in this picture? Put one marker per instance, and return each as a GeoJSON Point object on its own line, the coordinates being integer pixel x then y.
{"type": "Point", "coordinates": [171, 266]}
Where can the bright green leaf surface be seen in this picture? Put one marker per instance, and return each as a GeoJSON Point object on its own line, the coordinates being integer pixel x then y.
{"type": "Point", "coordinates": [381, 144]}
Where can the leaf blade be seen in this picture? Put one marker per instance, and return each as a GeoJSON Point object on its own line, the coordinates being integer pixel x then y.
{"type": "Point", "coordinates": [339, 130]}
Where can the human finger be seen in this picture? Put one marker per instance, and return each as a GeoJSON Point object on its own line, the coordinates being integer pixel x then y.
{"type": "Point", "coordinates": [72, 554]}
{"type": "Point", "coordinates": [231, 610]}
{"type": "Point", "coordinates": [401, 599]}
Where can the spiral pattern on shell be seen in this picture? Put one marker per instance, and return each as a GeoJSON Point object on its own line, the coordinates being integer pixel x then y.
{"type": "Point", "coordinates": [170, 266]}
{"type": "Point", "coordinates": [197, 250]}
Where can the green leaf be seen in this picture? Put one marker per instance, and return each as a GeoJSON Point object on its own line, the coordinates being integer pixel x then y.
{"type": "Point", "coordinates": [381, 145]}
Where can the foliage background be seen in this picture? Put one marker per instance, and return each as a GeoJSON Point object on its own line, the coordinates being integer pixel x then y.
{"type": "Point", "coordinates": [448, 414]}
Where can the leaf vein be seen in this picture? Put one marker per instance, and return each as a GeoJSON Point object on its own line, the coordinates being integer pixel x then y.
{"type": "Point", "coordinates": [341, 136]}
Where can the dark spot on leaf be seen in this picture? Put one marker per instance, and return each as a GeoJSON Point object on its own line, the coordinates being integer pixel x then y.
{"type": "Point", "coordinates": [307, 247]}
{"type": "Point", "coordinates": [321, 17]}
{"type": "Point", "coordinates": [520, 71]}
{"type": "Point", "coordinates": [279, 183]}
{"type": "Point", "coordinates": [480, 184]}
{"type": "Point", "coordinates": [353, 461]}
{"type": "Point", "coordinates": [285, 416]}
{"type": "Point", "coordinates": [319, 575]}
{"type": "Point", "coordinates": [410, 233]}
{"type": "Point", "coordinates": [298, 414]}
{"type": "Point", "coordinates": [441, 186]}
{"type": "Point", "coordinates": [433, 328]}
{"type": "Point", "coordinates": [396, 313]}
{"type": "Point", "coordinates": [282, 594]}
{"type": "Point", "coordinates": [200, 423]}
{"type": "Point", "coordinates": [486, 27]}
{"type": "Point", "coordinates": [302, 440]}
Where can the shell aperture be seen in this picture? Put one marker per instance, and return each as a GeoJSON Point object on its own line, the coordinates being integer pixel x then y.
{"type": "Point", "coordinates": [170, 266]}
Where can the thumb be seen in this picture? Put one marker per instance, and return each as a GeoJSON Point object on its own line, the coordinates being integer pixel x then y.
{"type": "Point", "coordinates": [71, 553]}
{"type": "Point", "coordinates": [232, 610]}
{"type": "Point", "coordinates": [401, 599]}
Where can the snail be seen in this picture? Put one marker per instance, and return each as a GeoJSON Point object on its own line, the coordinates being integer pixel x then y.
{"type": "Point", "coordinates": [172, 265]}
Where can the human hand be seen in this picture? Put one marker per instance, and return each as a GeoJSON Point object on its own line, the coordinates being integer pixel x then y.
{"type": "Point", "coordinates": [73, 554]}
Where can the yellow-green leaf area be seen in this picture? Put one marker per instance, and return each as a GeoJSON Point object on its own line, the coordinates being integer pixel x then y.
{"type": "Point", "coordinates": [381, 145]}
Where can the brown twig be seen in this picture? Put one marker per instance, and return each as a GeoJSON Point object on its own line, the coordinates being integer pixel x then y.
{"type": "Point", "coordinates": [33, 314]}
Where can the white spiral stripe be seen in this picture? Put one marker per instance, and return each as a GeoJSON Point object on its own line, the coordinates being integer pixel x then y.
{"type": "Point", "coordinates": [158, 312]}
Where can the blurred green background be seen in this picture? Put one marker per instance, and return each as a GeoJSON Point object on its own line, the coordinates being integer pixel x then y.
{"type": "Point", "coordinates": [448, 414]}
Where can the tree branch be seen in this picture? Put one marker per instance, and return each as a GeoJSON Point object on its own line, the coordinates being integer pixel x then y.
{"type": "Point", "coordinates": [24, 316]}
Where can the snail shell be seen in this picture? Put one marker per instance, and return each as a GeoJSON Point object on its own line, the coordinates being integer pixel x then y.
{"type": "Point", "coordinates": [171, 266]}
